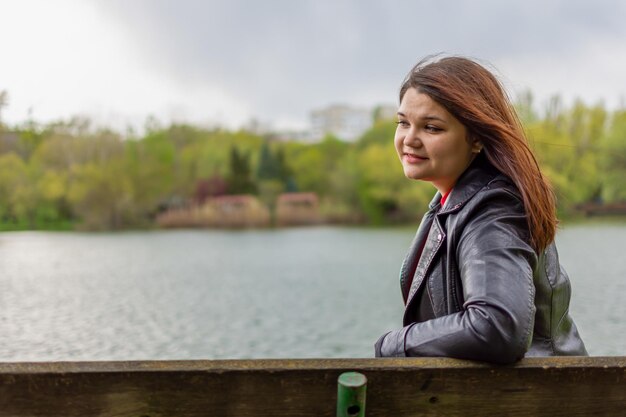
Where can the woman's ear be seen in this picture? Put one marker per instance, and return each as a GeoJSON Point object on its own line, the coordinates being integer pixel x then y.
{"type": "Point", "coordinates": [477, 145]}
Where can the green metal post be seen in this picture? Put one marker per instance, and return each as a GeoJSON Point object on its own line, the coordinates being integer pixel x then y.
{"type": "Point", "coordinates": [351, 394]}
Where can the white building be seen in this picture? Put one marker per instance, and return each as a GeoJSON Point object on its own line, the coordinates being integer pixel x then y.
{"type": "Point", "coordinates": [345, 122]}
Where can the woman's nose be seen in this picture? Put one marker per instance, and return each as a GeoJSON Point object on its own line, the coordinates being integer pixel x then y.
{"type": "Point", "coordinates": [412, 138]}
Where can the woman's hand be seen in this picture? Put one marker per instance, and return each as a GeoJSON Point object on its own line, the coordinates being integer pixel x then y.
{"type": "Point", "coordinates": [391, 344]}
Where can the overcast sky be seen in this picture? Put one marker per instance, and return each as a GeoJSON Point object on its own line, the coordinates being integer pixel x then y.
{"type": "Point", "coordinates": [227, 61]}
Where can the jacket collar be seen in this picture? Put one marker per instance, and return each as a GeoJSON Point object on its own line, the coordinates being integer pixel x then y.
{"type": "Point", "coordinates": [476, 176]}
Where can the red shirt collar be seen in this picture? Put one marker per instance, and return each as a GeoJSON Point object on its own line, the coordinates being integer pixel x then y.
{"type": "Point", "coordinates": [445, 197]}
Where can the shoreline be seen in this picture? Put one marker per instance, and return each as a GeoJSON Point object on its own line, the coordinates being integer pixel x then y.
{"type": "Point", "coordinates": [68, 227]}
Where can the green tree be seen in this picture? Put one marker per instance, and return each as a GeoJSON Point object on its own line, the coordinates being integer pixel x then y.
{"type": "Point", "coordinates": [13, 176]}
{"type": "Point", "coordinates": [380, 182]}
{"type": "Point", "coordinates": [239, 178]}
{"type": "Point", "coordinates": [148, 167]}
{"type": "Point", "coordinates": [268, 168]}
{"type": "Point", "coordinates": [381, 133]}
{"type": "Point", "coordinates": [102, 195]}
{"type": "Point", "coordinates": [613, 160]}
{"type": "Point", "coordinates": [568, 145]}
{"type": "Point", "coordinates": [285, 172]}
{"type": "Point", "coordinates": [53, 206]}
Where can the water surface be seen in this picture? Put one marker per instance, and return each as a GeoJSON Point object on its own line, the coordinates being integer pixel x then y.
{"type": "Point", "coordinates": [198, 294]}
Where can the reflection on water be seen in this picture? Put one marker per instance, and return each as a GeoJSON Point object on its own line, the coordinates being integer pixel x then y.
{"type": "Point", "coordinates": [317, 292]}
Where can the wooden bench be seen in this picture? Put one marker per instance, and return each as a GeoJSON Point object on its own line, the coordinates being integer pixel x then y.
{"type": "Point", "coordinates": [559, 386]}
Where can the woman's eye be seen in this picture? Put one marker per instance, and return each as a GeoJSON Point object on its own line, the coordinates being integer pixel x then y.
{"type": "Point", "coordinates": [432, 129]}
{"type": "Point", "coordinates": [402, 123]}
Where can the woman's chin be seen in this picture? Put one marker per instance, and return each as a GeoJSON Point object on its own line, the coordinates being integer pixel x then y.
{"type": "Point", "coordinates": [412, 175]}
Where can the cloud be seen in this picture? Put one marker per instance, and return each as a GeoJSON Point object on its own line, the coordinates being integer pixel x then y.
{"type": "Point", "coordinates": [231, 60]}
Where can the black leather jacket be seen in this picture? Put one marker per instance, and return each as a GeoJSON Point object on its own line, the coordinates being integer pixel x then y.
{"type": "Point", "coordinates": [492, 298]}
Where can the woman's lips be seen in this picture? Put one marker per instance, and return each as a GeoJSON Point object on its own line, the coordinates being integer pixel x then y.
{"type": "Point", "coordinates": [413, 159]}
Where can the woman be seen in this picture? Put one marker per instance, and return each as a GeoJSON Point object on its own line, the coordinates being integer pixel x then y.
{"type": "Point", "coordinates": [482, 278]}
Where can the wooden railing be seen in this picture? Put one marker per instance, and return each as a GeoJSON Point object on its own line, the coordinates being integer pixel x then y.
{"type": "Point", "coordinates": [559, 386]}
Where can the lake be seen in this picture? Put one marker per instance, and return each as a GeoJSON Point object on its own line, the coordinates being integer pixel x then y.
{"type": "Point", "coordinates": [204, 294]}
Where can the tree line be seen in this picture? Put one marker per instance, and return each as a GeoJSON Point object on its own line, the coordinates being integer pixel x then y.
{"type": "Point", "coordinates": [69, 175]}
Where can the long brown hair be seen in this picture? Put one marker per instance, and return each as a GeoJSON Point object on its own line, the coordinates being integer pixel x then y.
{"type": "Point", "coordinates": [473, 95]}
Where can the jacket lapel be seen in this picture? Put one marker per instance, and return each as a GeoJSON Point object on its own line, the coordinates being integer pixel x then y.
{"type": "Point", "coordinates": [410, 261]}
{"type": "Point", "coordinates": [434, 241]}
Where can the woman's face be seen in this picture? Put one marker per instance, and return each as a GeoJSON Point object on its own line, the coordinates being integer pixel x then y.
{"type": "Point", "coordinates": [431, 143]}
